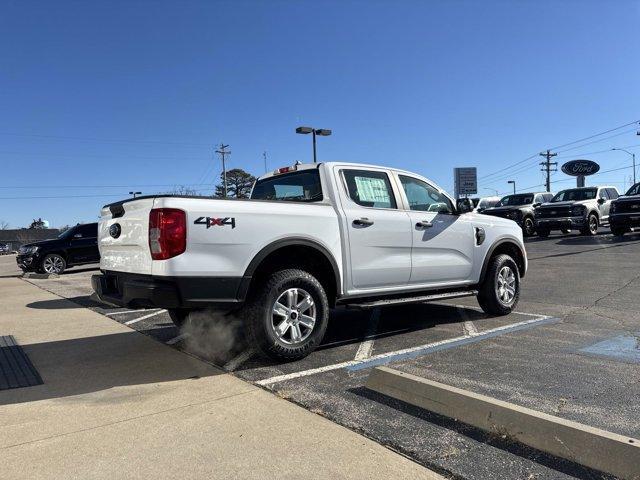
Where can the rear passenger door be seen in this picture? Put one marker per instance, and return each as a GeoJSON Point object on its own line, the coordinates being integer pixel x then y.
{"type": "Point", "coordinates": [379, 233]}
{"type": "Point", "coordinates": [83, 247]}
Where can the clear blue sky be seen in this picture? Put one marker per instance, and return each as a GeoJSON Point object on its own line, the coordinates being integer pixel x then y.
{"type": "Point", "coordinates": [133, 93]}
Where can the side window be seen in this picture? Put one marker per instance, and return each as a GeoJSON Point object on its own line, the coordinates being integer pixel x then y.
{"type": "Point", "coordinates": [424, 197]}
{"type": "Point", "coordinates": [538, 199]}
{"type": "Point", "coordinates": [369, 189]}
{"type": "Point", "coordinates": [613, 193]}
{"type": "Point", "coordinates": [87, 231]}
{"type": "Point", "coordinates": [603, 194]}
{"type": "Point", "coordinates": [548, 197]}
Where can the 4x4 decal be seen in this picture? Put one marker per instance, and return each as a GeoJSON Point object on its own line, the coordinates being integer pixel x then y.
{"type": "Point", "coordinates": [216, 222]}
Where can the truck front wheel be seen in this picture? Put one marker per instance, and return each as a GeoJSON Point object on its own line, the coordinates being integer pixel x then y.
{"type": "Point", "coordinates": [287, 315]}
{"type": "Point", "coordinates": [500, 291]}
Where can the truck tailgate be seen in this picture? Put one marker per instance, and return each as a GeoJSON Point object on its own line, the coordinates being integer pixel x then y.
{"type": "Point", "coordinates": [125, 247]}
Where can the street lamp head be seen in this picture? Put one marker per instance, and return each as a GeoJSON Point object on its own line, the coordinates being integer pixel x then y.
{"type": "Point", "coordinates": [511, 181]}
{"type": "Point", "coordinates": [304, 130]}
{"type": "Point", "coordinates": [324, 132]}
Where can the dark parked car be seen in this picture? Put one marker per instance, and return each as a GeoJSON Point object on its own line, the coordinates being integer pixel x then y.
{"type": "Point", "coordinates": [624, 212]}
{"type": "Point", "coordinates": [4, 248]}
{"type": "Point", "coordinates": [76, 246]}
{"type": "Point", "coordinates": [583, 208]}
{"type": "Point", "coordinates": [519, 208]}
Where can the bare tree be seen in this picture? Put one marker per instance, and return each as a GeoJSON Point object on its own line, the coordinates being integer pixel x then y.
{"type": "Point", "coordinates": [4, 225]}
{"type": "Point", "coordinates": [184, 191]}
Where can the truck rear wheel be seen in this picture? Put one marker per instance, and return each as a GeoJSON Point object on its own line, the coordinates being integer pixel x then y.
{"type": "Point", "coordinates": [287, 315]}
{"type": "Point", "coordinates": [591, 228]}
{"type": "Point", "coordinates": [500, 292]}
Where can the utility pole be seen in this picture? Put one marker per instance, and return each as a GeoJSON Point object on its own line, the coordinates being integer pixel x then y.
{"type": "Point", "coordinates": [264, 156]}
{"type": "Point", "coordinates": [546, 166]}
{"type": "Point", "coordinates": [223, 152]}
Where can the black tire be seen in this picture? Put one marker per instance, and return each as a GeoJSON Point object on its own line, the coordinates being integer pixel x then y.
{"type": "Point", "coordinates": [528, 227]}
{"type": "Point", "coordinates": [592, 225]}
{"type": "Point", "coordinates": [258, 315]}
{"type": "Point", "coordinates": [178, 316]}
{"type": "Point", "coordinates": [488, 296]}
{"type": "Point", "coordinates": [53, 263]}
{"type": "Point", "coordinates": [619, 231]}
{"type": "Point", "coordinates": [543, 232]}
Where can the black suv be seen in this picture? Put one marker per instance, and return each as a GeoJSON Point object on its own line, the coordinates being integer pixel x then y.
{"type": "Point", "coordinates": [624, 212]}
{"type": "Point", "coordinates": [519, 208]}
{"type": "Point", "coordinates": [76, 246]}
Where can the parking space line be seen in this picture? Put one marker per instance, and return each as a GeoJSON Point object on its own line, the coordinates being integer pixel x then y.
{"type": "Point", "coordinates": [238, 360]}
{"type": "Point", "coordinates": [177, 339]}
{"type": "Point", "coordinates": [136, 320]}
{"type": "Point", "coordinates": [469, 329]}
{"type": "Point", "coordinates": [366, 347]}
{"type": "Point", "coordinates": [132, 311]}
{"type": "Point", "coordinates": [412, 352]}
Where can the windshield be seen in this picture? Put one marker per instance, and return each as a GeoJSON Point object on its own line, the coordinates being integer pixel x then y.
{"type": "Point", "coordinates": [635, 190]}
{"type": "Point", "coordinates": [66, 233]}
{"type": "Point", "coordinates": [523, 199]}
{"type": "Point", "coordinates": [575, 194]}
{"type": "Point", "coordinates": [303, 186]}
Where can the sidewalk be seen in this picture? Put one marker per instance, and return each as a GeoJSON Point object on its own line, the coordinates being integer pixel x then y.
{"type": "Point", "coordinates": [117, 404]}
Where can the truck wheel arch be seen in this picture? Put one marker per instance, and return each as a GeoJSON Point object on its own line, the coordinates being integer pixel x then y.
{"type": "Point", "coordinates": [276, 255]}
{"type": "Point", "coordinates": [508, 247]}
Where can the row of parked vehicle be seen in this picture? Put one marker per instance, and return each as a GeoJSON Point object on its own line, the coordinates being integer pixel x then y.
{"type": "Point", "coordinates": [583, 209]}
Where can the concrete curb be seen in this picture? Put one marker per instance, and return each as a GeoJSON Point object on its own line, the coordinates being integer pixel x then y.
{"type": "Point", "coordinates": [589, 446]}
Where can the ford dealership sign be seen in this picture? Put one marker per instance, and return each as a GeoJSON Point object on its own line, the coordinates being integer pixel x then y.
{"type": "Point", "coordinates": [579, 168]}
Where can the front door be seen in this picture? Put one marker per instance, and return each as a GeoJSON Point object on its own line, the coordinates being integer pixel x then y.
{"type": "Point", "coordinates": [443, 241]}
{"type": "Point", "coordinates": [379, 233]}
{"type": "Point", "coordinates": [84, 244]}
{"type": "Point", "coordinates": [604, 204]}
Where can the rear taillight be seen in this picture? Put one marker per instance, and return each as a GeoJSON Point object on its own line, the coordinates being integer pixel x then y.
{"type": "Point", "coordinates": [167, 232]}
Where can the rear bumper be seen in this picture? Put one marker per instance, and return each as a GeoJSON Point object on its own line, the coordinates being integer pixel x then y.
{"type": "Point", "coordinates": [561, 223]}
{"type": "Point", "coordinates": [624, 220]}
{"type": "Point", "coordinates": [146, 291]}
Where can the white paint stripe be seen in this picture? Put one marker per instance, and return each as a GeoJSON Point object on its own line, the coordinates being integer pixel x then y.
{"type": "Point", "coordinates": [136, 320]}
{"type": "Point", "coordinates": [177, 339]}
{"type": "Point", "coordinates": [238, 360]}
{"type": "Point", "coordinates": [366, 347]}
{"type": "Point", "coordinates": [313, 371]}
{"type": "Point", "coordinates": [132, 311]}
{"type": "Point", "coordinates": [469, 329]}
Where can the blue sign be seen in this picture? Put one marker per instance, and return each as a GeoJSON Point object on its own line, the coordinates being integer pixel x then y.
{"type": "Point", "coordinates": [580, 168]}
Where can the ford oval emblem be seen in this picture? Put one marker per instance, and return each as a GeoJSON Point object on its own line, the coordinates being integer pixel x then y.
{"type": "Point", "coordinates": [578, 168]}
{"type": "Point", "coordinates": [115, 230]}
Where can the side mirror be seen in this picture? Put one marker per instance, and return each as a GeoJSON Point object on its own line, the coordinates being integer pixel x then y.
{"type": "Point", "coordinates": [536, 205]}
{"type": "Point", "coordinates": [601, 201]}
{"type": "Point", "coordinates": [464, 205]}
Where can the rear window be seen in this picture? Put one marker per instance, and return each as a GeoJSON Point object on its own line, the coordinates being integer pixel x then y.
{"type": "Point", "coordinates": [303, 186]}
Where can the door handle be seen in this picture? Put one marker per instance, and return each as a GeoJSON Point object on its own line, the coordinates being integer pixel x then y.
{"type": "Point", "coordinates": [424, 224]}
{"type": "Point", "coordinates": [362, 222]}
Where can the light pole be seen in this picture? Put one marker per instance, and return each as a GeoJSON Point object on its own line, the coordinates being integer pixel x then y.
{"type": "Point", "coordinates": [323, 132]}
{"type": "Point", "coordinates": [514, 185]}
{"type": "Point", "coordinates": [633, 156]}
{"type": "Point", "coordinates": [135, 193]}
{"type": "Point", "coordinates": [487, 188]}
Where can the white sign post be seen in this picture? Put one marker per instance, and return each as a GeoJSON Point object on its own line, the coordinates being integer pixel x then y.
{"type": "Point", "coordinates": [465, 181]}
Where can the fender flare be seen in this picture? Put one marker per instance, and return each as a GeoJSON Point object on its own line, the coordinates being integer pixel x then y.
{"type": "Point", "coordinates": [288, 242]}
{"type": "Point", "coordinates": [487, 257]}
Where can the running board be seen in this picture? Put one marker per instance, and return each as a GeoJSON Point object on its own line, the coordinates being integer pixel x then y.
{"type": "Point", "coordinates": [420, 299]}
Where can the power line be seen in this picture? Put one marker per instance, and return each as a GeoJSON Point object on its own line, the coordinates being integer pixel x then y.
{"type": "Point", "coordinates": [597, 141]}
{"type": "Point", "coordinates": [546, 167]}
{"type": "Point", "coordinates": [57, 187]}
{"type": "Point", "coordinates": [508, 167]}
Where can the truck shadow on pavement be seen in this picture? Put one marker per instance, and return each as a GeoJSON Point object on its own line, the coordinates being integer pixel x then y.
{"type": "Point", "coordinates": [501, 442]}
{"type": "Point", "coordinates": [98, 363]}
{"type": "Point", "coordinates": [82, 301]}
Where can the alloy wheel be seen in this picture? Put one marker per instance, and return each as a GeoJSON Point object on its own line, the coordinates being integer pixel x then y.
{"type": "Point", "coordinates": [506, 285]}
{"type": "Point", "coordinates": [293, 316]}
{"type": "Point", "coordinates": [53, 264]}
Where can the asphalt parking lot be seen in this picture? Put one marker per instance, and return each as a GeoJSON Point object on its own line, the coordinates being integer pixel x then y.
{"type": "Point", "coordinates": [570, 350]}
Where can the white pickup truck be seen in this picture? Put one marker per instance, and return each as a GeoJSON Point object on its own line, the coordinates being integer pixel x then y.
{"type": "Point", "coordinates": [311, 237]}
